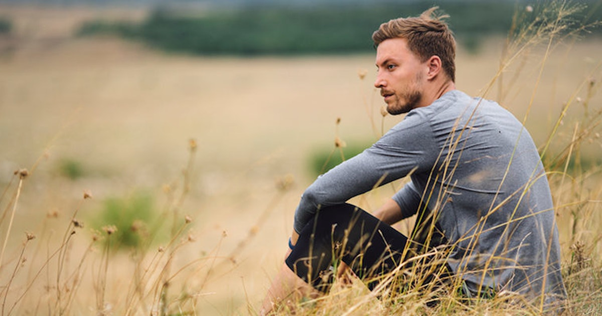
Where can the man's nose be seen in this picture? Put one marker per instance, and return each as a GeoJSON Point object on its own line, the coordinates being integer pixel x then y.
{"type": "Point", "coordinates": [379, 82]}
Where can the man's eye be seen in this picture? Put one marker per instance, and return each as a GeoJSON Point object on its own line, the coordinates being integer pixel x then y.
{"type": "Point", "coordinates": [390, 67]}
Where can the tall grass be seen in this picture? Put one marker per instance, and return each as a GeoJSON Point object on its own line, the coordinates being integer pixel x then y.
{"type": "Point", "coordinates": [62, 267]}
{"type": "Point", "coordinates": [71, 272]}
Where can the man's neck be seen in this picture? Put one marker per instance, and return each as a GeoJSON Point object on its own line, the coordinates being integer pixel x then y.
{"type": "Point", "coordinates": [437, 91]}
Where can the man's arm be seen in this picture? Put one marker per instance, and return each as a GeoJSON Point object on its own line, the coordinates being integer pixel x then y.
{"type": "Point", "coordinates": [389, 213]}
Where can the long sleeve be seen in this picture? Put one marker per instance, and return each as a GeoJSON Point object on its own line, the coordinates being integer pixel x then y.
{"type": "Point", "coordinates": [406, 148]}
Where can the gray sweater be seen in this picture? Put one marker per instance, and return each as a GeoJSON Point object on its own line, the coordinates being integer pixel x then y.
{"type": "Point", "coordinates": [475, 166]}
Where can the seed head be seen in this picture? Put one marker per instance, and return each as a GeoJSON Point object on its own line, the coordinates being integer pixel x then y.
{"type": "Point", "coordinates": [30, 236]}
{"type": "Point", "coordinates": [338, 120]}
{"type": "Point", "coordinates": [87, 194]}
{"type": "Point", "coordinates": [161, 249]}
{"type": "Point", "coordinates": [52, 214]}
{"type": "Point", "coordinates": [362, 73]}
{"type": "Point", "coordinates": [136, 225]}
{"type": "Point", "coordinates": [285, 183]}
{"type": "Point", "coordinates": [339, 143]}
{"type": "Point", "coordinates": [192, 145]}
{"type": "Point", "coordinates": [109, 229]}
{"type": "Point", "coordinates": [191, 238]}
{"type": "Point", "coordinates": [77, 223]}
{"type": "Point", "coordinates": [22, 173]}
{"type": "Point", "coordinates": [188, 219]}
{"type": "Point", "coordinates": [529, 9]}
{"type": "Point", "coordinates": [253, 230]}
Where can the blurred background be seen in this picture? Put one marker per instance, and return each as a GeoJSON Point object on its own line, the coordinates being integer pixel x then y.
{"type": "Point", "coordinates": [224, 111]}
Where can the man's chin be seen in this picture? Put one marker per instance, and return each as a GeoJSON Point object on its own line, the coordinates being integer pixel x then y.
{"type": "Point", "coordinates": [396, 110]}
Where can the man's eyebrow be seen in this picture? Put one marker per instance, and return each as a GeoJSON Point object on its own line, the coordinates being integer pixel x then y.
{"type": "Point", "coordinates": [384, 62]}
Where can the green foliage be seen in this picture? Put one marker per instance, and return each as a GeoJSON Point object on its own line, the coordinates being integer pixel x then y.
{"type": "Point", "coordinates": [135, 218]}
{"type": "Point", "coordinates": [324, 159]}
{"type": "Point", "coordinates": [281, 30]}
{"type": "Point", "coordinates": [70, 168]}
{"type": "Point", "coordinates": [98, 27]}
{"type": "Point", "coordinates": [5, 25]}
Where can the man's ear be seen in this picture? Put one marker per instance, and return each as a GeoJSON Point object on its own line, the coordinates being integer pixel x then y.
{"type": "Point", "coordinates": [434, 67]}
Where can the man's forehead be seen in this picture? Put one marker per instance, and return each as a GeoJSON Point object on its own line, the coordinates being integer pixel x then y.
{"type": "Point", "coordinates": [391, 49]}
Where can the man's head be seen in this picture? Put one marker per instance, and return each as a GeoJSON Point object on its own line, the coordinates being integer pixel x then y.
{"type": "Point", "coordinates": [414, 56]}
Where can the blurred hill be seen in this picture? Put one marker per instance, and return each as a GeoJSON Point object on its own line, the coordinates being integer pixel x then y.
{"type": "Point", "coordinates": [265, 27]}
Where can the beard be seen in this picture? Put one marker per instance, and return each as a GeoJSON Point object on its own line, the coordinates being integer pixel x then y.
{"type": "Point", "coordinates": [412, 99]}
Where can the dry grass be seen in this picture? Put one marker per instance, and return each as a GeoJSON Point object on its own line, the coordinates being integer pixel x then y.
{"type": "Point", "coordinates": [127, 114]}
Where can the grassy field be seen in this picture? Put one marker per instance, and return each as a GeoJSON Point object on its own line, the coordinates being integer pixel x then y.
{"type": "Point", "coordinates": [113, 119]}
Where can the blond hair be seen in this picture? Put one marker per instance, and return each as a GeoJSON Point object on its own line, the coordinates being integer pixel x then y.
{"type": "Point", "coordinates": [427, 35]}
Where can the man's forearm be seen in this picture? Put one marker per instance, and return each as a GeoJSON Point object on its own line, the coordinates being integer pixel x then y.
{"type": "Point", "coordinates": [389, 213]}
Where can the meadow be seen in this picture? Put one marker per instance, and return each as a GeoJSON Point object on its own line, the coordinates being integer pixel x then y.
{"type": "Point", "coordinates": [219, 148]}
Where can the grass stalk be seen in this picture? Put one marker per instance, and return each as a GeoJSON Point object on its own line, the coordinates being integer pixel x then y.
{"type": "Point", "coordinates": [22, 174]}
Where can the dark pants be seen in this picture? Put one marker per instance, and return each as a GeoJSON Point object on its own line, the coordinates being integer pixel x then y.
{"type": "Point", "coordinates": [370, 247]}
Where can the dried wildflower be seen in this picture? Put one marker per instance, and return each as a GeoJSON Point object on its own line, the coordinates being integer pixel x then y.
{"type": "Point", "coordinates": [579, 100]}
{"type": "Point", "coordinates": [224, 234]}
{"type": "Point", "coordinates": [30, 236]}
{"type": "Point", "coordinates": [95, 237]}
{"type": "Point", "coordinates": [254, 230]}
{"type": "Point", "coordinates": [109, 229]}
{"type": "Point", "coordinates": [581, 259]}
{"type": "Point", "coordinates": [362, 73]}
{"type": "Point", "coordinates": [192, 144]}
{"type": "Point", "coordinates": [285, 183]}
{"type": "Point", "coordinates": [187, 219]}
{"type": "Point", "coordinates": [338, 120]}
{"type": "Point", "coordinates": [597, 135]}
{"type": "Point", "coordinates": [191, 238]}
{"type": "Point", "coordinates": [22, 173]}
{"type": "Point", "coordinates": [137, 225]}
{"type": "Point", "coordinates": [52, 214]}
{"type": "Point", "coordinates": [161, 249]}
{"type": "Point", "coordinates": [529, 9]}
{"type": "Point", "coordinates": [77, 223]}
{"type": "Point", "coordinates": [87, 194]}
{"type": "Point", "coordinates": [339, 143]}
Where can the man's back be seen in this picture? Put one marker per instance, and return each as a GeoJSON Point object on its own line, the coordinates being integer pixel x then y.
{"type": "Point", "coordinates": [484, 179]}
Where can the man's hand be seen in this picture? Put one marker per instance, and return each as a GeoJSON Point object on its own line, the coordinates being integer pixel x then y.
{"type": "Point", "coordinates": [344, 274]}
{"type": "Point", "coordinates": [294, 237]}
